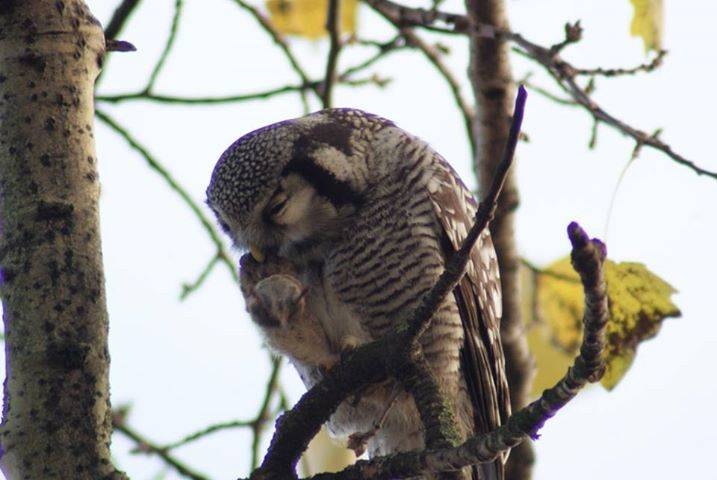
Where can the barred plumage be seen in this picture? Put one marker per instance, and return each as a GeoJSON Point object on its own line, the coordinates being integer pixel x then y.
{"type": "Point", "coordinates": [366, 215]}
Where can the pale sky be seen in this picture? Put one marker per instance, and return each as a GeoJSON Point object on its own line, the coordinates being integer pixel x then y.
{"type": "Point", "coordinates": [184, 365]}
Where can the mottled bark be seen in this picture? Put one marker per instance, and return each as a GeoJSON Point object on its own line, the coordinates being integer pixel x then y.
{"type": "Point", "coordinates": [492, 83]}
{"type": "Point", "coordinates": [56, 417]}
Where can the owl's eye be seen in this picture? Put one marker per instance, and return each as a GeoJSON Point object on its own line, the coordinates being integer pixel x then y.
{"type": "Point", "coordinates": [277, 207]}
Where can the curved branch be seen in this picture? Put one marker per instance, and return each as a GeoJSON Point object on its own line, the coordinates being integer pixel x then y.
{"type": "Point", "coordinates": [588, 257]}
{"type": "Point", "coordinates": [563, 72]}
{"type": "Point", "coordinates": [174, 185]}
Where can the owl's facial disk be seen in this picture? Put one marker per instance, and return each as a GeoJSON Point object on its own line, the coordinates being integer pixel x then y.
{"type": "Point", "coordinates": [294, 215]}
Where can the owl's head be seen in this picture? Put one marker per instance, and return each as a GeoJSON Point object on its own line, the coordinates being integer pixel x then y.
{"type": "Point", "coordinates": [291, 185]}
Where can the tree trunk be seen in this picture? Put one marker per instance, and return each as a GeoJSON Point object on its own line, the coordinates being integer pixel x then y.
{"type": "Point", "coordinates": [492, 83]}
{"type": "Point", "coordinates": [56, 416]}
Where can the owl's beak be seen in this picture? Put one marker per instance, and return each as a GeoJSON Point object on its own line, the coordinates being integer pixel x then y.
{"type": "Point", "coordinates": [257, 253]}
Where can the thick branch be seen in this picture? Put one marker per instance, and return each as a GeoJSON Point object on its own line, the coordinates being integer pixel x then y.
{"type": "Point", "coordinates": [588, 257]}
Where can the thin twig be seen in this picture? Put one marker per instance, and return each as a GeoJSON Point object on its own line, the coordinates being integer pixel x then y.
{"type": "Point", "coordinates": [257, 424]}
{"type": "Point", "coordinates": [544, 92]}
{"type": "Point", "coordinates": [393, 45]}
{"type": "Point", "coordinates": [178, 5]}
{"type": "Point", "coordinates": [174, 185]}
{"type": "Point", "coordinates": [154, 97]}
{"type": "Point", "coordinates": [614, 72]}
{"type": "Point", "coordinates": [434, 57]}
{"type": "Point", "coordinates": [563, 72]}
{"type": "Point", "coordinates": [198, 435]}
{"type": "Point", "coordinates": [263, 416]}
{"type": "Point", "coordinates": [189, 288]}
{"type": "Point", "coordinates": [146, 446]}
{"type": "Point", "coordinates": [279, 40]}
{"type": "Point", "coordinates": [333, 25]}
{"type": "Point", "coordinates": [171, 99]}
{"type": "Point", "coordinates": [119, 18]}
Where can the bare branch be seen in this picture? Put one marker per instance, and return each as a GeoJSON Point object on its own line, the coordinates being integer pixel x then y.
{"type": "Point", "coordinates": [170, 99]}
{"type": "Point", "coordinates": [174, 185]}
{"type": "Point", "coordinates": [119, 18]}
{"type": "Point", "coordinates": [587, 257]}
{"type": "Point", "coordinates": [279, 40]}
{"type": "Point", "coordinates": [146, 446]}
{"type": "Point", "coordinates": [395, 44]}
{"type": "Point", "coordinates": [189, 288]}
{"type": "Point", "coordinates": [615, 72]}
{"type": "Point", "coordinates": [143, 95]}
{"type": "Point", "coordinates": [434, 57]}
{"type": "Point", "coordinates": [563, 72]}
{"type": "Point", "coordinates": [178, 5]}
{"type": "Point", "coordinates": [333, 25]}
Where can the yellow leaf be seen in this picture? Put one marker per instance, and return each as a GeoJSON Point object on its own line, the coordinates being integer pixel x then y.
{"type": "Point", "coordinates": [552, 362]}
{"type": "Point", "coordinates": [638, 301]}
{"type": "Point", "coordinates": [325, 455]}
{"type": "Point", "coordinates": [307, 18]}
{"type": "Point", "coordinates": [647, 23]}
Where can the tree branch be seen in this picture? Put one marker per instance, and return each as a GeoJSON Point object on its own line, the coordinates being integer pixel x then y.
{"type": "Point", "coordinates": [333, 25]}
{"type": "Point", "coordinates": [279, 40]}
{"type": "Point", "coordinates": [146, 446]}
{"type": "Point", "coordinates": [119, 18]}
{"type": "Point", "coordinates": [174, 185]}
{"type": "Point", "coordinates": [434, 57]}
{"type": "Point", "coordinates": [587, 257]}
{"type": "Point", "coordinates": [563, 72]}
{"type": "Point", "coordinates": [178, 5]}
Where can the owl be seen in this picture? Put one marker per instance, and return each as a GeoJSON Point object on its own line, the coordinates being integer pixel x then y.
{"type": "Point", "coordinates": [349, 221]}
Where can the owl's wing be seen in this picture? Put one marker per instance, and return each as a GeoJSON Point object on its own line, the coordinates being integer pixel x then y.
{"type": "Point", "coordinates": [478, 296]}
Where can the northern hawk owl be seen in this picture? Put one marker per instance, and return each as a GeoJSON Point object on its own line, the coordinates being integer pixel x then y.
{"type": "Point", "coordinates": [356, 218]}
